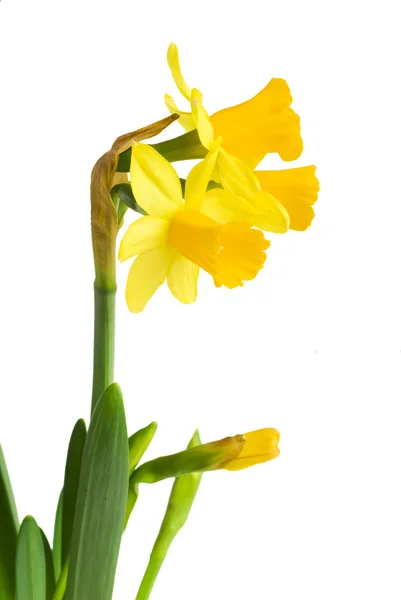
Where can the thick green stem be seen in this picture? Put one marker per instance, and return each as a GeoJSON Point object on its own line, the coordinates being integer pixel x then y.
{"type": "Point", "coordinates": [103, 346]}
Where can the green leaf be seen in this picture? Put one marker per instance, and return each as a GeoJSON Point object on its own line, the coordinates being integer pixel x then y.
{"type": "Point", "coordinates": [30, 562]}
{"type": "Point", "coordinates": [50, 579]}
{"type": "Point", "coordinates": [58, 526]}
{"type": "Point", "coordinates": [9, 526]}
{"type": "Point", "coordinates": [138, 443]}
{"type": "Point", "coordinates": [101, 502]}
{"type": "Point", "coordinates": [179, 505]}
{"type": "Point", "coordinates": [123, 197]}
{"type": "Point", "coordinates": [71, 483]}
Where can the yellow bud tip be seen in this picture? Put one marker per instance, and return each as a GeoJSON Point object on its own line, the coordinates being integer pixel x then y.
{"type": "Point", "coordinates": [260, 446]}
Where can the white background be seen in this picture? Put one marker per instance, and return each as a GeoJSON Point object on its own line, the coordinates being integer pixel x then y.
{"type": "Point", "coordinates": [311, 347]}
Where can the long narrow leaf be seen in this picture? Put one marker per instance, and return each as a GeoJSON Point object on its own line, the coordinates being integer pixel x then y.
{"type": "Point", "coordinates": [30, 562]}
{"type": "Point", "coordinates": [9, 526]}
{"type": "Point", "coordinates": [71, 482]}
{"type": "Point", "coordinates": [58, 526]}
{"type": "Point", "coordinates": [101, 502]}
{"type": "Point", "coordinates": [50, 579]}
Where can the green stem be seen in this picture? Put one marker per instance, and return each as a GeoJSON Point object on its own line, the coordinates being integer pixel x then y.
{"type": "Point", "coordinates": [183, 147]}
{"type": "Point", "coordinates": [62, 582]}
{"type": "Point", "coordinates": [159, 552]}
{"type": "Point", "coordinates": [103, 346]}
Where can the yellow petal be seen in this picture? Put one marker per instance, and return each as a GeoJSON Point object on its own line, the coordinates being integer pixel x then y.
{"type": "Point", "coordinates": [174, 64]}
{"type": "Point", "coordinates": [144, 234]}
{"type": "Point", "coordinates": [182, 279]}
{"type": "Point", "coordinates": [253, 161]}
{"type": "Point", "coordinates": [241, 254]}
{"type": "Point", "coordinates": [202, 120]}
{"type": "Point", "coordinates": [261, 210]}
{"type": "Point", "coordinates": [186, 119]}
{"type": "Point", "coordinates": [268, 213]}
{"type": "Point", "coordinates": [236, 176]}
{"type": "Point", "coordinates": [297, 189]}
{"type": "Point", "coordinates": [149, 270]}
{"type": "Point", "coordinates": [154, 182]}
{"type": "Point", "coordinates": [199, 177]}
{"type": "Point", "coordinates": [263, 124]}
{"type": "Point", "coordinates": [260, 446]}
{"type": "Point", "coordinates": [223, 207]}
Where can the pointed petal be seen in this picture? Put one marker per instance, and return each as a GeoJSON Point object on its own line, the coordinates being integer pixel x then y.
{"type": "Point", "coordinates": [261, 210]}
{"type": "Point", "coordinates": [174, 64]}
{"type": "Point", "coordinates": [182, 279]}
{"type": "Point", "coordinates": [186, 119]}
{"type": "Point", "coordinates": [236, 176]}
{"type": "Point", "coordinates": [148, 272]}
{"type": "Point", "coordinates": [268, 213]}
{"type": "Point", "coordinates": [155, 184]}
{"type": "Point", "coordinates": [199, 177]}
{"type": "Point", "coordinates": [142, 235]}
{"type": "Point", "coordinates": [202, 120]}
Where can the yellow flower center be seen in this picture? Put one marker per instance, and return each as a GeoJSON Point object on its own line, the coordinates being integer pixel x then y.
{"type": "Point", "coordinates": [231, 253]}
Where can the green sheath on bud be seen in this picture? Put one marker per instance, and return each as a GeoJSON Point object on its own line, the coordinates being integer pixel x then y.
{"type": "Point", "coordinates": [205, 457]}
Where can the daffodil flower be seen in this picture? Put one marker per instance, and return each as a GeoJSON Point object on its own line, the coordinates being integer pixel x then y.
{"type": "Point", "coordinates": [266, 123]}
{"type": "Point", "coordinates": [234, 175]}
{"type": "Point", "coordinates": [177, 238]}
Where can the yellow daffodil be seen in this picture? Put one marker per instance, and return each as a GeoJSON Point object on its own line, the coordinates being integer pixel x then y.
{"type": "Point", "coordinates": [261, 125]}
{"type": "Point", "coordinates": [265, 123]}
{"type": "Point", "coordinates": [177, 238]}
{"type": "Point", "coordinates": [263, 209]}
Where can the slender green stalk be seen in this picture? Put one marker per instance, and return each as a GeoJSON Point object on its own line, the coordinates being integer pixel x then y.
{"type": "Point", "coordinates": [159, 552]}
{"type": "Point", "coordinates": [179, 506]}
{"type": "Point", "coordinates": [103, 346]}
{"type": "Point", "coordinates": [61, 583]}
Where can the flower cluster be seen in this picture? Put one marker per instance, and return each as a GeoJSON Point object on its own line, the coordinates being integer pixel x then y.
{"type": "Point", "coordinates": [217, 223]}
